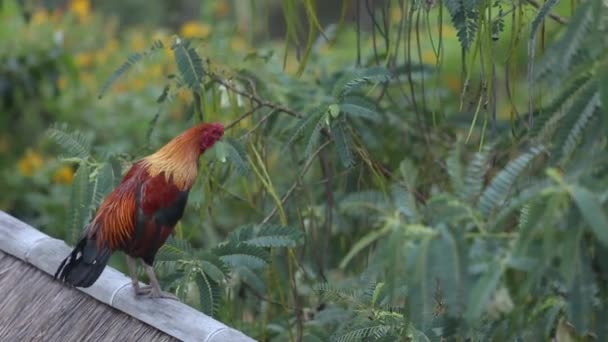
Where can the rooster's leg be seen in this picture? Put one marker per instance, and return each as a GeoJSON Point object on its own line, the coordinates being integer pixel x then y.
{"type": "Point", "coordinates": [132, 266]}
{"type": "Point", "coordinates": [154, 291]}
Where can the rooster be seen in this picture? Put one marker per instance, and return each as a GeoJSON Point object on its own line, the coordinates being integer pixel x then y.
{"type": "Point", "coordinates": [140, 213]}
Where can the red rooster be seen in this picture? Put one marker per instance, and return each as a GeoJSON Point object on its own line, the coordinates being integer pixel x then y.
{"type": "Point", "coordinates": [138, 216]}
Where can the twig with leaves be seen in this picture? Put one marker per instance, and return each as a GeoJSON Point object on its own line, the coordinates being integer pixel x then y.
{"type": "Point", "coordinates": [553, 16]}
{"type": "Point", "coordinates": [295, 184]}
{"type": "Point", "coordinates": [243, 116]}
{"type": "Point", "coordinates": [253, 96]}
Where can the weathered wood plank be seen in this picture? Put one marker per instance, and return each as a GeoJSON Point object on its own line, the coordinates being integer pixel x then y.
{"type": "Point", "coordinates": [113, 288]}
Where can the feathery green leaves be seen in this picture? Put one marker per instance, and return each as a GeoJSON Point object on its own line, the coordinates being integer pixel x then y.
{"type": "Point", "coordinates": [360, 107]}
{"type": "Point", "coordinates": [131, 61]}
{"type": "Point", "coordinates": [74, 143]}
{"type": "Point", "coordinates": [343, 141]}
{"type": "Point", "coordinates": [80, 199]}
{"type": "Point", "coordinates": [498, 190]}
{"type": "Point", "coordinates": [359, 78]}
{"type": "Point", "coordinates": [593, 213]}
{"type": "Point", "coordinates": [232, 150]}
{"type": "Point", "coordinates": [464, 17]}
{"type": "Point", "coordinates": [189, 64]}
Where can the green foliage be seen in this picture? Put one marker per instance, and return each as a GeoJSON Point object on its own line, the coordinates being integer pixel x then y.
{"type": "Point", "coordinates": [369, 216]}
{"type": "Point", "coordinates": [233, 151]}
{"type": "Point", "coordinates": [92, 182]}
{"type": "Point", "coordinates": [131, 61]}
{"type": "Point", "coordinates": [568, 52]}
{"type": "Point", "coordinates": [354, 80]}
{"type": "Point", "coordinates": [76, 144]}
{"type": "Point", "coordinates": [464, 15]}
{"type": "Point", "coordinates": [343, 141]}
{"type": "Point", "coordinates": [499, 188]}
{"type": "Point", "coordinates": [189, 64]}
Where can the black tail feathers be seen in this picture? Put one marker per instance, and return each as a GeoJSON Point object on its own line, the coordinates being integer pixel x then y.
{"type": "Point", "coordinates": [84, 265]}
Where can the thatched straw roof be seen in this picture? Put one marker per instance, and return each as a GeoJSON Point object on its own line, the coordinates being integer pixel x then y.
{"type": "Point", "coordinates": [33, 306]}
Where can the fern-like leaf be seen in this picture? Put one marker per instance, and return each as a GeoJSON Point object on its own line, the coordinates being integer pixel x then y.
{"type": "Point", "coordinates": [405, 202]}
{"type": "Point", "coordinates": [251, 277]}
{"type": "Point", "coordinates": [213, 266]}
{"type": "Point", "coordinates": [242, 255]}
{"type": "Point", "coordinates": [455, 169]}
{"type": "Point", "coordinates": [209, 293]}
{"type": "Point", "coordinates": [360, 78]}
{"type": "Point", "coordinates": [560, 57]}
{"type": "Point", "coordinates": [331, 292]}
{"type": "Point", "coordinates": [464, 17]}
{"type": "Point", "coordinates": [234, 151]}
{"type": "Point", "coordinates": [544, 123]}
{"type": "Point", "coordinates": [500, 186]}
{"type": "Point", "coordinates": [306, 124]}
{"type": "Point", "coordinates": [359, 201]}
{"type": "Point", "coordinates": [475, 174]}
{"type": "Point", "coordinates": [276, 236]}
{"type": "Point", "coordinates": [75, 144]}
{"type": "Point", "coordinates": [80, 200]}
{"type": "Point", "coordinates": [104, 181]}
{"type": "Point", "coordinates": [315, 135]}
{"type": "Point", "coordinates": [189, 64]}
{"type": "Point", "coordinates": [242, 233]}
{"type": "Point", "coordinates": [360, 333]}
{"type": "Point", "coordinates": [576, 121]}
{"type": "Point", "coordinates": [357, 106]}
{"type": "Point", "coordinates": [133, 59]}
{"type": "Point", "coordinates": [175, 249]}
{"type": "Point", "coordinates": [343, 141]}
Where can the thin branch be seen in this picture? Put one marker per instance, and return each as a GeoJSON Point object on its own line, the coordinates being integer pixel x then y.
{"type": "Point", "coordinates": [243, 116]}
{"type": "Point", "coordinates": [259, 123]}
{"type": "Point", "coordinates": [295, 184]}
{"type": "Point", "coordinates": [254, 97]}
{"type": "Point", "coordinates": [553, 16]}
{"type": "Point", "coordinates": [329, 205]}
{"type": "Point", "coordinates": [358, 15]}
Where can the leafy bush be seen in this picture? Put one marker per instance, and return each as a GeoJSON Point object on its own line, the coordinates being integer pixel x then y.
{"type": "Point", "coordinates": [365, 191]}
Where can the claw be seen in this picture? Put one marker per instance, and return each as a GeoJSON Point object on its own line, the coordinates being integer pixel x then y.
{"type": "Point", "coordinates": [150, 291]}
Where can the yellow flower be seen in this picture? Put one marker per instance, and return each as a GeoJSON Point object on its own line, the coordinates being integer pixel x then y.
{"type": "Point", "coordinates": [4, 144]}
{"type": "Point", "coordinates": [40, 16]}
{"type": "Point", "coordinates": [88, 79]}
{"type": "Point", "coordinates": [292, 64]}
{"type": "Point", "coordinates": [138, 42]}
{"type": "Point", "coordinates": [84, 59]}
{"type": "Point", "coordinates": [222, 8]}
{"type": "Point", "coordinates": [112, 45]}
{"type": "Point", "coordinates": [82, 9]}
{"type": "Point", "coordinates": [137, 84]}
{"type": "Point", "coordinates": [194, 29]}
{"type": "Point", "coordinates": [183, 95]}
{"type": "Point", "coordinates": [176, 114]}
{"type": "Point", "coordinates": [168, 52]}
{"type": "Point", "coordinates": [453, 83]}
{"type": "Point", "coordinates": [429, 57]}
{"type": "Point", "coordinates": [448, 31]}
{"type": "Point", "coordinates": [63, 175]}
{"type": "Point", "coordinates": [107, 51]}
{"type": "Point", "coordinates": [62, 82]}
{"type": "Point", "coordinates": [396, 14]}
{"type": "Point", "coordinates": [238, 43]}
{"type": "Point", "coordinates": [155, 71]}
{"type": "Point", "coordinates": [29, 163]}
